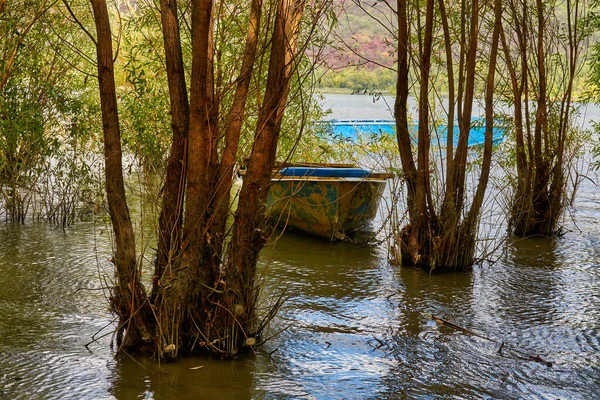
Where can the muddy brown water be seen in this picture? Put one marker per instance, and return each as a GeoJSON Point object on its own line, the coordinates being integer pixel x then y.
{"type": "Point", "coordinates": [356, 326]}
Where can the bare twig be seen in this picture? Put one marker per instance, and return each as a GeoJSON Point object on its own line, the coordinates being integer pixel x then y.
{"type": "Point", "coordinates": [519, 354]}
{"type": "Point", "coordinates": [66, 3]}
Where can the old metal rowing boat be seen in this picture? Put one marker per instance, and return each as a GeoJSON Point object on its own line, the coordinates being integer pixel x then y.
{"type": "Point", "coordinates": [331, 201]}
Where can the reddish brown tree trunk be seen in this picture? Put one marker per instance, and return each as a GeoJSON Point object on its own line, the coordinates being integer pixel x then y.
{"type": "Point", "coordinates": [449, 198]}
{"type": "Point", "coordinates": [401, 110]}
{"type": "Point", "coordinates": [418, 236]}
{"type": "Point", "coordinates": [519, 86]}
{"type": "Point", "coordinates": [429, 240]}
{"type": "Point", "coordinates": [249, 232]}
{"type": "Point", "coordinates": [466, 107]}
{"type": "Point", "coordinates": [169, 290]}
{"type": "Point", "coordinates": [171, 214]}
{"type": "Point", "coordinates": [179, 292]}
{"type": "Point", "coordinates": [470, 224]}
{"type": "Point", "coordinates": [128, 298]}
{"type": "Point", "coordinates": [199, 137]}
{"type": "Point", "coordinates": [233, 131]}
{"type": "Point", "coordinates": [540, 195]}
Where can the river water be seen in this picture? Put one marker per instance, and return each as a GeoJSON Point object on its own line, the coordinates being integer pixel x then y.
{"type": "Point", "coordinates": [355, 327]}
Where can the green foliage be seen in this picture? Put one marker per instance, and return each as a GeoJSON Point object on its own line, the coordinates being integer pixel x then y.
{"type": "Point", "coordinates": [593, 76]}
{"type": "Point", "coordinates": [143, 90]}
{"type": "Point", "coordinates": [142, 87]}
{"type": "Point", "coordinates": [359, 79]}
{"type": "Point", "coordinates": [145, 110]}
{"type": "Point", "coordinates": [46, 108]}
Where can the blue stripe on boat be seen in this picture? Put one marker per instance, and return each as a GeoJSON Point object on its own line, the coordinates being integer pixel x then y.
{"type": "Point", "coordinates": [326, 172]}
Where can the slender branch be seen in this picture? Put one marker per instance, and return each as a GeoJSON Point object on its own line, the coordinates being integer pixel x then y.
{"type": "Point", "coordinates": [66, 3]}
{"type": "Point", "coordinates": [9, 64]}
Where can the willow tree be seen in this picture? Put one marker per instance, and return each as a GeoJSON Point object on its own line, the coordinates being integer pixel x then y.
{"type": "Point", "coordinates": [442, 228]}
{"type": "Point", "coordinates": [45, 112]}
{"type": "Point", "coordinates": [543, 46]}
{"type": "Point", "coordinates": [204, 294]}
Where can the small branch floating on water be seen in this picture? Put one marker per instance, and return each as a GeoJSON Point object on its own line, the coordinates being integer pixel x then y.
{"type": "Point", "coordinates": [520, 355]}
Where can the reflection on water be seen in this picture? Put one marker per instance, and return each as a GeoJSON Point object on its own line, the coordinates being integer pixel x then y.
{"type": "Point", "coordinates": [339, 304]}
{"type": "Point", "coordinates": [188, 379]}
{"type": "Point", "coordinates": [44, 323]}
{"type": "Point", "coordinates": [531, 302]}
{"type": "Point", "coordinates": [354, 327]}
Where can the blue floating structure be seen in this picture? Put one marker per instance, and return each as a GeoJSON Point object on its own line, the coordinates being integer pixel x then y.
{"type": "Point", "coordinates": [351, 129]}
{"type": "Point", "coordinates": [361, 128]}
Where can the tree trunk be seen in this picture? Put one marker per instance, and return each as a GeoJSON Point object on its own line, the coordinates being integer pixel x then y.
{"type": "Point", "coordinates": [466, 107]}
{"type": "Point", "coordinates": [538, 202]}
{"type": "Point", "coordinates": [445, 241]}
{"type": "Point", "coordinates": [177, 309]}
{"type": "Point", "coordinates": [417, 234]}
{"type": "Point", "coordinates": [449, 198]}
{"type": "Point", "coordinates": [402, 129]}
{"type": "Point", "coordinates": [249, 232]}
{"type": "Point", "coordinates": [198, 150]}
{"type": "Point", "coordinates": [470, 225]}
{"type": "Point", "coordinates": [233, 131]}
{"type": "Point", "coordinates": [200, 299]}
{"type": "Point", "coordinates": [401, 108]}
{"type": "Point", "coordinates": [128, 298]}
{"type": "Point", "coordinates": [171, 215]}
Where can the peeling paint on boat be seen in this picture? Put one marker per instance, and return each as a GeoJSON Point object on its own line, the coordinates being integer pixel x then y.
{"type": "Point", "coordinates": [331, 208]}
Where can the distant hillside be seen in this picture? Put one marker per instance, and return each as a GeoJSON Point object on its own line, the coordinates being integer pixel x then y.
{"type": "Point", "coordinates": [361, 47]}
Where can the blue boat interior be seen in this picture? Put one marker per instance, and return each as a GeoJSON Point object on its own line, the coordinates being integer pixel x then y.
{"type": "Point", "coordinates": [326, 172]}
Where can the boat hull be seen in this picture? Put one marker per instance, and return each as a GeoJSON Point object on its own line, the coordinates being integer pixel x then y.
{"type": "Point", "coordinates": [331, 208]}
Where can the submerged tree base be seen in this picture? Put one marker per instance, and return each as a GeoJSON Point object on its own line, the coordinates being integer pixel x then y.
{"type": "Point", "coordinates": [436, 251]}
{"type": "Point", "coordinates": [537, 214]}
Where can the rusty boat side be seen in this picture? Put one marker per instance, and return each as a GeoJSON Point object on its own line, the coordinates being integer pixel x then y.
{"type": "Point", "coordinates": [331, 203]}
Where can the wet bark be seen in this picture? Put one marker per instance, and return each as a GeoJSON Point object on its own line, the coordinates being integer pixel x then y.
{"type": "Point", "coordinates": [449, 195]}
{"type": "Point", "coordinates": [181, 284]}
{"type": "Point", "coordinates": [539, 202]}
{"type": "Point", "coordinates": [401, 108]}
{"type": "Point", "coordinates": [203, 298]}
{"type": "Point", "coordinates": [199, 136]}
{"type": "Point", "coordinates": [417, 235]}
{"type": "Point", "coordinates": [466, 105]}
{"type": "Point", "coordinates": [470, 224]}
{"type": "Point", "coordinates": [232, 135]}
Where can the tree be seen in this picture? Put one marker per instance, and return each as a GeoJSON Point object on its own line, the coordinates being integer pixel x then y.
{"type": "Point", "coordinates": [128, 298]}
{"type": "Point", "coordinates": [203, 294]}
{"type": "Point", "coordinates": [437, 236]}
{"type": "Point", "coordinates": [543, 54]}
{"type": "Point", "coordinates": [44, 113]}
